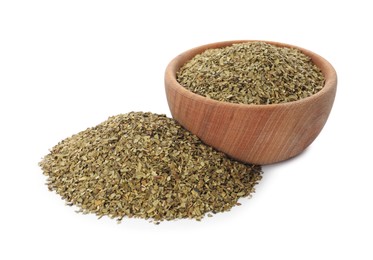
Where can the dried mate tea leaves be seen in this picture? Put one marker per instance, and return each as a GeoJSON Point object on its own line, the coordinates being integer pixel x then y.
{"type": "Point", "coordinates": [252, 73]}
{"type": "Point", "coordinates": [145, 165]}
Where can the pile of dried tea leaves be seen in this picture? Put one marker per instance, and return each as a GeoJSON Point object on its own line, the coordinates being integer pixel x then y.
{"type": "Point", "coordinates": [252, 73]}
{"type": "Point", "coordinates": [145, 165]}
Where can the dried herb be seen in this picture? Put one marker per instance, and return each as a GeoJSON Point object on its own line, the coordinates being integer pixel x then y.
{"type": "Point", "coordinates": [252, 73]}
{"type": "Point", "coordinates": [145, 165]}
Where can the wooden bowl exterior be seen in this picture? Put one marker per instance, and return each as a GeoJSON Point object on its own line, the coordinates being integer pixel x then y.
{"type": "Point", "coordinates": [259, 134]}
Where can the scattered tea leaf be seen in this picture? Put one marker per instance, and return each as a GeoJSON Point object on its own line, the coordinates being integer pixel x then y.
{"type": "Point", "coordinates": [147, 166]}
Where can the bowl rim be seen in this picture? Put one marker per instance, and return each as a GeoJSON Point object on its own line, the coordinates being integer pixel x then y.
{"type": "Point", "coordinates": [176, 63]}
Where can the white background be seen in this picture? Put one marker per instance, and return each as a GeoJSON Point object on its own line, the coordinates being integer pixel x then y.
{"type": "Point", "coordinates": [68, 65]}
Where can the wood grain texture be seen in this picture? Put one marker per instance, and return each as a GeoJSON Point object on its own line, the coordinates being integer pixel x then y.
{"type": "Point", "coordinates": [259, 134]}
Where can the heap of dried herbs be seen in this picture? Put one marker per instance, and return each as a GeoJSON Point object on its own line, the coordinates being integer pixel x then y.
{"type": "Point", "coordinates": [252, 73]}
{"type": "Point", "coordinates": [145, 165]}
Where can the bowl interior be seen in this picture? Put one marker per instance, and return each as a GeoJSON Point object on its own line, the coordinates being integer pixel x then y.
{"type": "Point", "coordinates": [174, 66]}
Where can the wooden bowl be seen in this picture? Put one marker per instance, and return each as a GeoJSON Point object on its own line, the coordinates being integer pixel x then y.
{"type": "Point", "coordinates": [258, 134]}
